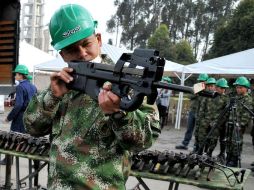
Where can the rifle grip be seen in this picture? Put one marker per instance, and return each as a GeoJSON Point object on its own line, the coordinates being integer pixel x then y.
{"type": "Point", "coordinates": [132, 104]}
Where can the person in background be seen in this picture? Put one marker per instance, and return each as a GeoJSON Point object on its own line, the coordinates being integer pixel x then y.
{"type": "Point", "coordinates": [191, 123]}
{"type": "Point", "coordinates": [252, 130]}
{"type": "Point", "coordinates": [88, 137]}
{"type": "Point", "coordinates": [204, 113]}
{"type": "Point", "coordinates": [24, 92]}
{"type": "Point", "coordinates": [243, 117]}
{"type": "Point", "coordinates": [216, 121]}
{"type": "Point", "coordinates": [163, 101]}
{"type": "Point", "coordinates": [252, 135]}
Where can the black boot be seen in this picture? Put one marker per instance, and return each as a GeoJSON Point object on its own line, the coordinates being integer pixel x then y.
{"type": "Point", "coordinates": [222, 156]}
{"type": "Point", "coordinates": [232, 161]}
{"type": "Point", "coordinates": [222, 148]}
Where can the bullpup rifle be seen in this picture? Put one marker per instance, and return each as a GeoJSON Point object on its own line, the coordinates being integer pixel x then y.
{"type": "Point", "coordinates": [133, 77]}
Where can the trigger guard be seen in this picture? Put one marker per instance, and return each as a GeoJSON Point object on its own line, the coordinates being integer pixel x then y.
{"type": "Point", "coordinates": [132, 104]}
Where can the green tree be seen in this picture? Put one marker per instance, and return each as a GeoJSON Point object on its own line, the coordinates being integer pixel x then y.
{"type": "Point", "coordinates": [160, 40]}
{"type": "Point", "coordinates": [236, 34]}
{"type": "Point", "coordinates": [184, 53]}
{"type": "Point", "coordinates": [192, 20]}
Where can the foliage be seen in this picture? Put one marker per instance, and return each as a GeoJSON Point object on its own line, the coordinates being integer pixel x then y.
{"type": "Point", "coordinates": [192, 20]}
{"type": "Point", "coordinates": [184, 53]}
{"type": "Point", "coordinates": [160, 40]}
{"type": "Point", "coordinates": [236, 34]}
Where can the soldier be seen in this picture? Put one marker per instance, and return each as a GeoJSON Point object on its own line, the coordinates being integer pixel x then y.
{"type": "Point", "coordinates": [204, 112]}
{"type": "Point", "coordinates": [163, 101]}
{"type": "Point", "coordinates": [239, 119]}
{"type": "Point", "coordinates": [89, 138]}
{"type": "Point", "coordinates": [252, 135]}
{"type": "Point", "coordinates": [252, 130]}
{"type": "Point", "coordinates": [217, 119]}
{"type": "Point", "coordinates": [24, 92]}
{"type": "Point", "coordinates": [194, 107]}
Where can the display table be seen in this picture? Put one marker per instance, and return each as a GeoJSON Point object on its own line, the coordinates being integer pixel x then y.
{"type": "Point", "coordinates": [218, 180]}
{"type": "Point", "coordinates": [34, 168]}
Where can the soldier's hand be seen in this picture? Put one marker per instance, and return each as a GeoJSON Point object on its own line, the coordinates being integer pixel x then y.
{"type": "Point", "coordinates": [59, 80]}
{"type": "Point", "coordinates": [108, 101]}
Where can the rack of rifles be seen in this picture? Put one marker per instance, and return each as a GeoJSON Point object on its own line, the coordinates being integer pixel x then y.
{"type": "Point", "coordinates": [183, 165]}
{"type": "Point", "coordinates": [24, 143]}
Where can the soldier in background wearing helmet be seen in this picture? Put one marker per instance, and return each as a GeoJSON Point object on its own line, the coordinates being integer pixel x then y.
{"type": "Point", "coordinates": [252, 130]}
{"type": "Point", "coordinates": [216, 121]}
{"type": "Point", "coordinates": [89, 137]}
{"type": "Point", "coordinates": [243, 118]}
{"type": "Point", "coordinates": [163, 100]}
{"type": "Point", "coordinates": [24, 92]}
{"type": "Point", "coordinates": [204, 112]}
{"type": "Point", "coordinates": [192, 121]}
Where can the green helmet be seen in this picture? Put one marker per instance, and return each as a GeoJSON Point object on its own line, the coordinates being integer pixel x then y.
{"type": "Point", "coordinates": [210, 81]}
{"type": "Point", "coordinates": [22, 69]}
{"type": "Point", "coordinates": [242, 81]}
{"type": "Point", "coordinates": [167, 79]}
{"type": "Point", "coordinates": [203, 77]}
{"type": "Point", "coordinates": [223, 83]}
{"type": "Point", "coordinates": [70, 24]}
{"type": "Point", "coordinates": [29, 77]}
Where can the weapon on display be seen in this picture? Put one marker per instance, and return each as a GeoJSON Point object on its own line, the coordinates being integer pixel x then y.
{"type": "Point", "coordinates": [182, 165]}
{"type": "Point", "coordinates": [25, 143]}
{"type": "Point", "coordinates": [133, 77]}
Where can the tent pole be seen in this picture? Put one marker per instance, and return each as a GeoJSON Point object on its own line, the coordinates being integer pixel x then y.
{"type": "Point", "coordinates": [179, 105]}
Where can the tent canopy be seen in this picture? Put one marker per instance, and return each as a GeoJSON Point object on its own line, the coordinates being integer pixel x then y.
{"type": "Point", "coordinates": [30, 55]}
{"type": "Point", "coordinates": [58, 63]}
{"type": "Point", "coordinates": [172, 68]}
{"type": "Point", "coordinates": [236, 63]}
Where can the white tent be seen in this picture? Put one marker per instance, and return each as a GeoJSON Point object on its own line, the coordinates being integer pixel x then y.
{"type": "Point", "coordinates": [30, 55]}
{"type": "Point", "coordinates": [53, 65]}
{"type": "Point", "coordinates": [173, 67]}
{"type": "Point", "coordinates": [236, 63]}
{"type": "Point", "coordinates": [241, 63]}
{"type": "Point", "coordinates": [57, 64]}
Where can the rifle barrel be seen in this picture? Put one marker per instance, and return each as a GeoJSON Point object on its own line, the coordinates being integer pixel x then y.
{"type": "Point", "coordinates": [175, 87]}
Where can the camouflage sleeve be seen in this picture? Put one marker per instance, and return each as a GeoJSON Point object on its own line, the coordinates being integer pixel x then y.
{"type": "Point", "coordinates": [244, 114]}
{"type": "Point", "coordinates": [201, 111]}
{"type": "Point", "coordinates": [39, 113]}
{"type": "Point", "coordinates": [138, 129]}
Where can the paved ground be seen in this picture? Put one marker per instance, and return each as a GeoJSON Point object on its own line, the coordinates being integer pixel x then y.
{"type": "Point", "coordinates": [167, 141]}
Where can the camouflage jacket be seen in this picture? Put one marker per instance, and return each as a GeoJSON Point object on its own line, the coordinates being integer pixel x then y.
{"type": "Point", "coordinates": [243, 117]}
{"type": "Point", "coordinates": [217, 108]}
{"type": "Point", "coordinates": [198, 102]}
{"type": "Point", "coordinates": [87, 146]}
{"type": "Point", "coordinates": [194, 103]}
{"type": "Point", "coordinates": [211, 108]}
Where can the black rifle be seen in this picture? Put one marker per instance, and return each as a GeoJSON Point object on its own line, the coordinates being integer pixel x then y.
{"type": "Point", "coordinates": [133, 77]}
{"type": "Point", "coordinates": [166, 161]}
{"type": "Point", "coordinates": [193, 161]}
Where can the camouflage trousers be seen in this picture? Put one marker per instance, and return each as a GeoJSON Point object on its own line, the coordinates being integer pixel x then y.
{"type": "Point", "coordinates": [206, 140]}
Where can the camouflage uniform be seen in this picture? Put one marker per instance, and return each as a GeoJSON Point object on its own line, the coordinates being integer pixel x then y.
{"type": "Point", "coordinates": [242, 118]}
{"type": "Point", "coordinates": [194, 103]}
{"type": "Point", "coordinates": [199, 117]}
{"type": "Point", "coordinates": [217, 120]}
{"type": "Point", "coordinates": [87, 146]}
